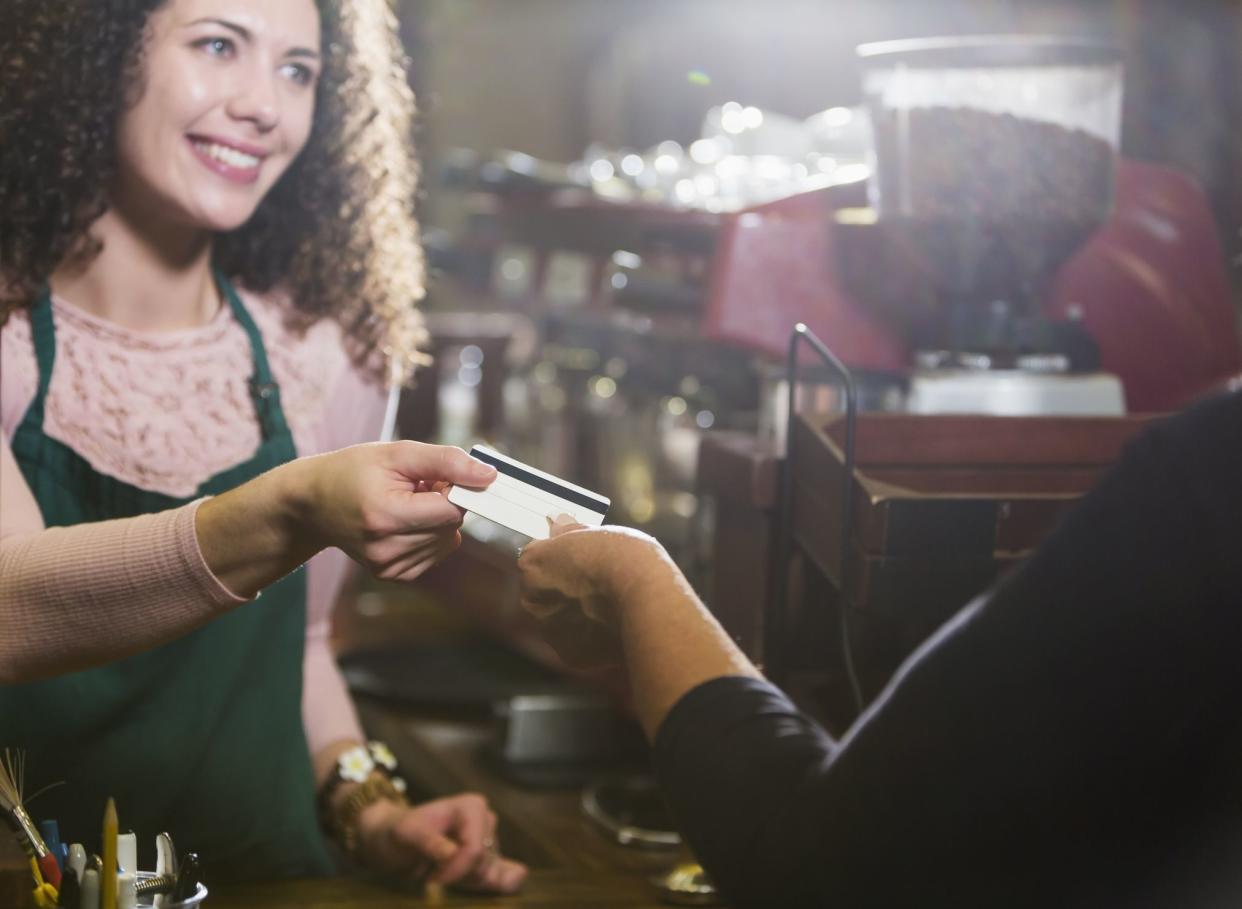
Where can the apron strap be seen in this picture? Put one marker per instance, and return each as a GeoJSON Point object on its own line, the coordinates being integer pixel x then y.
{"type": "Point", "coordinates": [43, 332]}
{"type": "Point", "coordinates": [264, 392]}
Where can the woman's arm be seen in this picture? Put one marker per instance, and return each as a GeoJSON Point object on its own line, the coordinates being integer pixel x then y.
{"type": "Point", "coordinates": [79, 596]}
{"type": "Point", "coordinates": [71, 597]}
{"type": "Point", "coordinates": [448, 839]}
{"type": "Point", "coordinates": [452, 840]}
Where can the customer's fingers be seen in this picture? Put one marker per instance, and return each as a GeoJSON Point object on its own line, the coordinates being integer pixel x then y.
{"type": "Point", "coordinates": [562, 524]}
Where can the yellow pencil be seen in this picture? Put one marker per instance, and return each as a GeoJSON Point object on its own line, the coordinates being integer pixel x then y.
{"type": "Point", "coordinates": [433, 893]}
{"type": "Point", "coordinates": [107, 880]}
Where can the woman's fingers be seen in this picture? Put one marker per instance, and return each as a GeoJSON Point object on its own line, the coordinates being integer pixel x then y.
{"type": "Point", "coordinates": [435, 464]}
{"type": "Point", "coordinates": [500, 875]}
{"type": "Point", "coordinates": [394, 555]}
{"type": "Point", "coordinates": [420, 511]}
{"type": "Point", "coordinates": [470, 826]}
{"type": "Point", "coordinates": [508, 876]}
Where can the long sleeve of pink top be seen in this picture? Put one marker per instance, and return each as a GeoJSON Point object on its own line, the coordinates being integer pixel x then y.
{"type": "Point", "coordinates": [134, 583]}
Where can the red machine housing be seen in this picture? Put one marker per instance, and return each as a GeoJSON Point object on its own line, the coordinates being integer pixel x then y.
{"type": "Point", "coordinates": [1150, 287]}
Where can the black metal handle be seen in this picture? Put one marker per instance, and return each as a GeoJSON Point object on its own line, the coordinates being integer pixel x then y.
{"type": "Point", "coordinates": [775, 646]}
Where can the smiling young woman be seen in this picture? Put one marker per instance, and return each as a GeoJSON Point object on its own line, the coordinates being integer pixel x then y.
{"type": "Point", "coordinates": [223, 109]}
{"type": "Point", "coordinates": [208, 272]}
{"type": "Point", "coordinates": [335, 233]}
{"type": "Point", "coordinates": [226, 107]}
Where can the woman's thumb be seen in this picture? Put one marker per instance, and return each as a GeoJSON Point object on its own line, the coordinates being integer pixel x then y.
{"type": "Point", "coordinates": [444, 463]}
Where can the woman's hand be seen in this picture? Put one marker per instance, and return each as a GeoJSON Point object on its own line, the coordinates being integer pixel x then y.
{"type": "Point", "coordinates": [448, 841]}
{"type": "Point", "coordinates": [386, 505]}
{"type": "Point", "coordinates": [576, 584]}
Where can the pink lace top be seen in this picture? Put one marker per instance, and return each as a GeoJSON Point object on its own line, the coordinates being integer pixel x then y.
{"type": "Point", "coordinates": [164, 412]}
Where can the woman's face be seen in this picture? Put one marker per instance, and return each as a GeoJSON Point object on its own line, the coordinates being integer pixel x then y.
{"type": "Point", "coordinates": [227, 99]}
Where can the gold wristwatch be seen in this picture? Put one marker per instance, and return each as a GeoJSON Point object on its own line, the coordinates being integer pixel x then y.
{"type": "Point", "coordinates": [373, 768]}
{"type": "Point", "coordinates": [368, 793]}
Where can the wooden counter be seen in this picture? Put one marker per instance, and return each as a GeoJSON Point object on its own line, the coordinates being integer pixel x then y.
{"type": "Point", "coordinates": [551, 888]}
{"type": "Point", "coordinates": [573, 864]}
{"type": "Point", "coordinates": [543, 827]}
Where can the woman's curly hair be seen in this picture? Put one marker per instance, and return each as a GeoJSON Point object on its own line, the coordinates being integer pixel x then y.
{"type": "Point", "coordinates": [336, 232]}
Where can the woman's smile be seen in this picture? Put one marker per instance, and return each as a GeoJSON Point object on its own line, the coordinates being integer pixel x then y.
{"type": "Point", "coordinates": [236, 161]}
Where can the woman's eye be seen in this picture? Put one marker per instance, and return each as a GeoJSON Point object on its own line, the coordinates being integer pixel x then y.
{"type": "Point", "coordinates": [216, 47]}
{"type": "Point", "coordinates": [302, 75]}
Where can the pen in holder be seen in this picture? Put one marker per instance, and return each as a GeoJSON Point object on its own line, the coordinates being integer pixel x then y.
{"type": "Point", "coordinates": [173, 885]}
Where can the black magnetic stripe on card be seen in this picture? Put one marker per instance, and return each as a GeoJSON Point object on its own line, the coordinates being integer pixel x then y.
{"type": "Point", "coordinates": [597, 505]}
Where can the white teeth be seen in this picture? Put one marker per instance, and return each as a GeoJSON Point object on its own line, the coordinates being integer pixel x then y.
{"type": "Point", "coordinates": [230, 156]}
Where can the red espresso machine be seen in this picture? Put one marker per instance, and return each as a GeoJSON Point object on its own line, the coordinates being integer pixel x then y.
{"type": "Point", "coordinates": [1043, 296]}
{"type": "Point", "coordinates": [950, 256]}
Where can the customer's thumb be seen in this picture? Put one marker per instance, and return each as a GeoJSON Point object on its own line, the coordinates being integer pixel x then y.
{"type": "Point", "coordinates": [563, 523]}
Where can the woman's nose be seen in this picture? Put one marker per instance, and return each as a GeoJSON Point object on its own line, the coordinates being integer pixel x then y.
{"type": "Point", "coordinates": [257, 101]}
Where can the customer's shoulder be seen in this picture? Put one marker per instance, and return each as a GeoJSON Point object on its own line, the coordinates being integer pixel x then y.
{"type": "Point", "coordinates": [1198, 447]}
{"type": "Point", "coordinates": [1217, 417]}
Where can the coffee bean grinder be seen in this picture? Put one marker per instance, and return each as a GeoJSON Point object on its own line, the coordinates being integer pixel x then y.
{"type": "Point", "coordinates": [995, 161]}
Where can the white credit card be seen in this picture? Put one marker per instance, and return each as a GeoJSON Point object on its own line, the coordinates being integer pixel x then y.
{"type": "Point", "coordinates": [524, 499]}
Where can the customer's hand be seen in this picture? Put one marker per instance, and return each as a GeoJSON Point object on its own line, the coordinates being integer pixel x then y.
{"type": "Point", "coordinates": [612, 595]}
{"type": "Point", "coordinates": [576, 583]}
{"type": "Point", "coordinates": [448, 841]}
{"type": "Point", "coordinates": [386, 505]}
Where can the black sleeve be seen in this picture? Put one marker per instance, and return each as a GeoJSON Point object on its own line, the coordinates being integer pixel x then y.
{"type": "Point", "coordinates": [1058, 734]}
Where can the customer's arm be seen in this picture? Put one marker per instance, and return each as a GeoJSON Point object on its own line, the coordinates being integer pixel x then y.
{"type": "Point", "coordinates": [1052, 734]}
{"type": "Point", "coordinates": [731, 751]}
{"type": "Point", "coordinates": [614, 593]}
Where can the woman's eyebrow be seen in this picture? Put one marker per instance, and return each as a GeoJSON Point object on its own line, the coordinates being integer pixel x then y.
{"type": "Point", "coordinates": [241, 30]}
{"type": "Point", "coordinates": [246, 35]}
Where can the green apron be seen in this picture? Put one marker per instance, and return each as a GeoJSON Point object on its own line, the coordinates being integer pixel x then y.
{"type": "Point", "coordinates": [201, 737]}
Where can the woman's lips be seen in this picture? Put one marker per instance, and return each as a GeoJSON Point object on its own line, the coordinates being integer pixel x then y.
{"type": "Point", "coordinates": [228, 161]}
